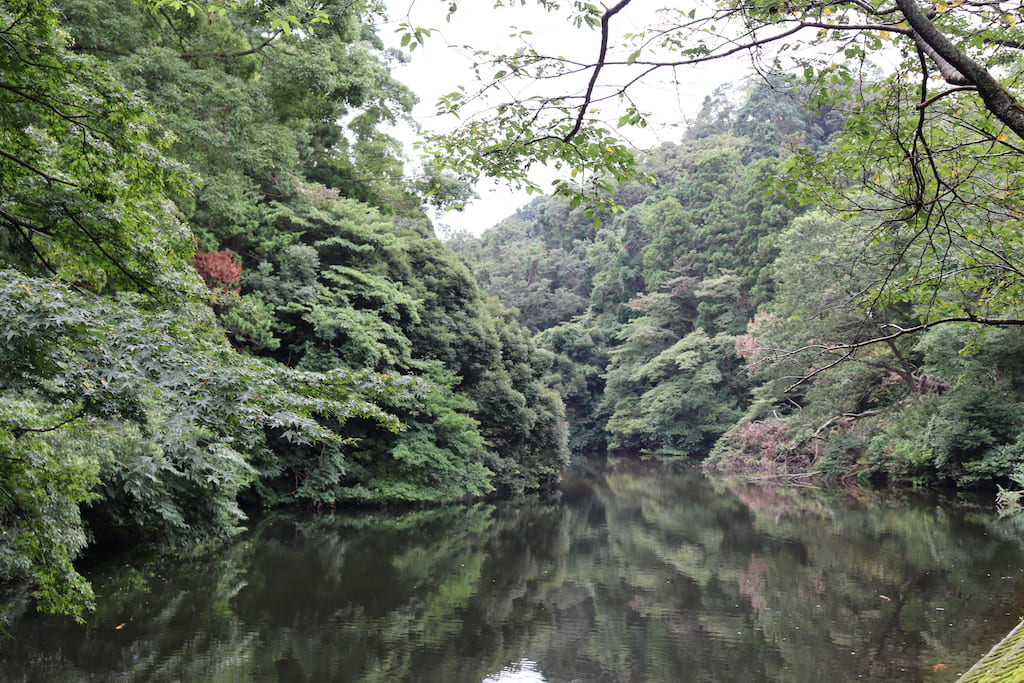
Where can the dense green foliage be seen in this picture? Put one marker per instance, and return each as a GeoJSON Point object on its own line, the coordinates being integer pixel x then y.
{"type": "Point", "coordinates": [726, 319]}
{"type": "Point", "coordinates": [647, 361]}
{"type": "Point", "coordinates": [219, 289]}
{"type": "Point", "coordinates": [865, 359]}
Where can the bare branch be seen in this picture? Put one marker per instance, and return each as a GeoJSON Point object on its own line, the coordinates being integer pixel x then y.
{"type": "Point", "coordinates": [602, 53]}
{"type": "Point", "coordinates": [949, 73]}
{"type": "Point", "coordinates": [945, 93]}
{"type": "Point", "coordinates": [844, 350]}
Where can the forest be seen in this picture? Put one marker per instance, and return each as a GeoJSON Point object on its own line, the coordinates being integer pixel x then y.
{"type": "Point", "coordinates": [716, 317]}
{"type": "Point", "coordinates": [220, 290]}
{"type": "Point", "coordinates": [223, 290]}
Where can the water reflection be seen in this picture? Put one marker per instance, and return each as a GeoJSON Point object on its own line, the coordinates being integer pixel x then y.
{"type": "Point", "coordinates": [641, 572]}
{"type": "Point", "coordinates": [524, 671]}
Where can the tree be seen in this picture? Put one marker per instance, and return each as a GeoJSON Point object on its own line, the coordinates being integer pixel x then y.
{"type": "Point", "coordinates": [808, 387]}
{"type": "Point", "coordinates": [675, 276]}
{"type": "Point", "coordinates": [966, 43]}
{"type": "Point", "coordinates": [546, 284]}
{"type": "Point", "coordinates": [932, 149]}
{"type": "Point", "coordinates": [119, 390]}
{"type": "Point", "coordinates": [286, 127]}
{"type": "Point", "coordinates": [124, 410]}
{"type": "Point", "coordinates": [926, 171]}
{"type": "Point", "coordinates": [147, 416]}
{"type": "Point", "coordinates": [82, 166]}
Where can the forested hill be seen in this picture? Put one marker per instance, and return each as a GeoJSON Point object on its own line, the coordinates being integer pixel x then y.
{"type": "Point", "coordinates": [220, 287]}
{"type": "Point", "coordinates": [644, 313]}
{"type": "Point", "coordinates": [731, 314]}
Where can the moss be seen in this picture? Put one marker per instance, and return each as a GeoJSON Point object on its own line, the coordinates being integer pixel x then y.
{"type": "Point", "coordinates": [1003, 663]}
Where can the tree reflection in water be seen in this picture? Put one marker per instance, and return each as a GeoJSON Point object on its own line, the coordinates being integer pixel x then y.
{"type": "Point", "coordinates": [641, 571]}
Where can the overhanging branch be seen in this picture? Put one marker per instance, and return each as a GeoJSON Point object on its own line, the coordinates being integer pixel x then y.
{"type": "Point", "coordinates": [844, 350]}
{"type": "Point", "coordinates": [996, 98]}
{"type": "Point", "coordinates": [601, 56]}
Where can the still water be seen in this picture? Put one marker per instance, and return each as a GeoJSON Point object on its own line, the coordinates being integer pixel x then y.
{"type": "Point", "coordinates": [639, 571]}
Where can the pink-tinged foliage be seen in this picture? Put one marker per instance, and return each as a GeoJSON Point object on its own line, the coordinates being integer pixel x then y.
{"type": "Point", "coordinates": [761, 439]}
{"type": "Point", "coordinates": [747, 345]}
{"type": "Point", "coordinates": [220, 270]}
{"type": "Point", "coordinates": [764, 447]}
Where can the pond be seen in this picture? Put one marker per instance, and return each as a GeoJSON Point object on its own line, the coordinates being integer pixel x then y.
{"type": "Point", "coordinates": [639, 571]}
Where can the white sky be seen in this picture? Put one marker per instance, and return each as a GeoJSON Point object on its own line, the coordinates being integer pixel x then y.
{"type": "Point", "coordinates": [523, 671]}
{"type": "Point", "coordinates": [441, 66]}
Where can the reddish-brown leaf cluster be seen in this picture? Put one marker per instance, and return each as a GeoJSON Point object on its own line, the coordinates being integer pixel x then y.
{"type": "Point", "coordinates": [220, 270]}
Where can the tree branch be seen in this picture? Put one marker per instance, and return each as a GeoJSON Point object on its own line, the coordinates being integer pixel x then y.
{"type": "Point", "coordinates": [602, 54]}
{"type": "Point", "coordinates": [845, 350]}
{"type": "Point", "coordinates": [144, 285]}
{"type": "Point", "coordinates": [25, 231]}
{"type": "Point", "coordinates": [996, 98]}
{"type": "Point", "coordinates": [241, 53]}
{"type": "Point", "coordinates": [50, 179]}
{"type": "Point", "coordinates": [18, 431]}
{"type": "Point", "coordinates": [935, 98]}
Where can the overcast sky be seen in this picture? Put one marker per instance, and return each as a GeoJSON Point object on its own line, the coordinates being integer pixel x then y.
{"type": "Point", "coordinates": [441, 66]}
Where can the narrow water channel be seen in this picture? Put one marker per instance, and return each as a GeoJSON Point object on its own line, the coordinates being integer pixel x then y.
{"type": "Point", "coordinates": [639, 571]}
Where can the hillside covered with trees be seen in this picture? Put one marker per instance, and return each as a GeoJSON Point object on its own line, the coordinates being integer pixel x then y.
{"type": "Point", "coordinates": [822, 277]}
{"type": "Point", "coordinates": [723, 314]}
{"type": "Point", "coordinates": [221, 289]}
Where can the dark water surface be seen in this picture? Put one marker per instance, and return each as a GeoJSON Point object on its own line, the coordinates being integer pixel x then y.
{"type": "Point", "coordinates": [639, 572]}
